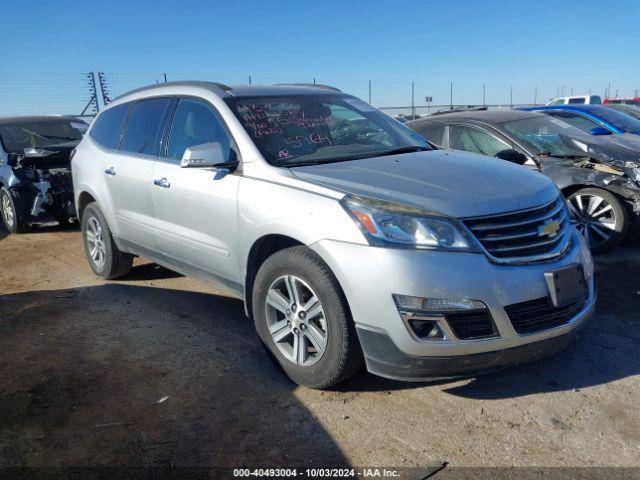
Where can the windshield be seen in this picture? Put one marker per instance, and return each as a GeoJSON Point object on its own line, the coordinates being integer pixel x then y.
{"type": "Point", "coordinates": [628, 109]}
{"type": "Point", "coordinates": [308, 129]}
{"type": "Point", "coordinates": [621, 120]}
{"type": "Point", "coordinates": [41, 134]}
{"type": "Point", "coordinates": [544, 135]}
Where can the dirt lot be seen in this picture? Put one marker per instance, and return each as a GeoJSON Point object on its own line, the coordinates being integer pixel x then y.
{"type": "Point", "coordinates": [158, 371]}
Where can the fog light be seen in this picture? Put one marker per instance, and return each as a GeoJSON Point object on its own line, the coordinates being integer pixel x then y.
{"type": "Point", "coordinates": [436, 305]}
{"type": "Point", "coordinates": [426, 329]}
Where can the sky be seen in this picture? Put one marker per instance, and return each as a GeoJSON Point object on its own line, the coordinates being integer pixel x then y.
{"type": "Point", "coordinates": [538, 47]}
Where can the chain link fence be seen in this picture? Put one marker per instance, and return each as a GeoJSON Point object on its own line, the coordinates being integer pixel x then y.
{"type": "Point", "coordinates": [86, 93]}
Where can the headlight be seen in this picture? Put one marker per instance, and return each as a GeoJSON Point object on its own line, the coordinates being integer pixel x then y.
{"type": "Point", "coordinates": [390, 224]}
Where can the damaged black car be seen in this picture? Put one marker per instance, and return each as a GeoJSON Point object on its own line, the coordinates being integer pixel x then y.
{"type": "Point", "coordinates": [599, 176]}
{"type": "Point", "coordinates": [35, 172]}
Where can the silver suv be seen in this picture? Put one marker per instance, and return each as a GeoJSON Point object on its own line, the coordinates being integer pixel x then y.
{"type": "Point", "coordinates": [349, 238]}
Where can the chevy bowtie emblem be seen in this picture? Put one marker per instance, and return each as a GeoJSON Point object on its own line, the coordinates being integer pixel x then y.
{"type": "Point", "coordinates": [549, 228]}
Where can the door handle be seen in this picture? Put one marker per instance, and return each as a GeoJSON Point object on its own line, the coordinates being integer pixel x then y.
{"type": "Point", "coordinates": [163, 182]}
{"type": "Point", "coordinates": [110, 171]}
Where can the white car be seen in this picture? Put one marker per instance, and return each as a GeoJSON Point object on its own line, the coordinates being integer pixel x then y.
{"type": "Point", "coordinates": [576, 100]}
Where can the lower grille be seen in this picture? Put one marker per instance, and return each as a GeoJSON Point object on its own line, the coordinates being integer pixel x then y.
{"type": "Point", "coordinates": [471, 324]}
{"type": "Point", "coordinates": [537, 315]}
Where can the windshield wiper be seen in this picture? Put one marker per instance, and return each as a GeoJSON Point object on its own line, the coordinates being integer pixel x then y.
{"type": "Point", "coordinates": [569, 156]}
{"type": "Point", "coordinates": [361, 156]}
{"type": "Point", "coordinates": [400, 150]}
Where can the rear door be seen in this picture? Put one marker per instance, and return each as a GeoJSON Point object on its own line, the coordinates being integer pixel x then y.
{"type": "Point", "coordinates": [127, 172]}
{"type": "Point", "coordinates": [195, 208]}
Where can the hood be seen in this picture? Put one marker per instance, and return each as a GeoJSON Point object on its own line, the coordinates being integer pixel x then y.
{"type": "Point", "coordinates": [458, 184]}
{"type": "Point", "coordinates": [622, 152]}
{"type": "Point", "coordinates": [42, 157]}
{"type": "Point", "coordinates": [608, 148]}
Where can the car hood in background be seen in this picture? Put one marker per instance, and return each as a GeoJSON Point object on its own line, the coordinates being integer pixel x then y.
{"type": "Point", "coordinates": [458, 184]}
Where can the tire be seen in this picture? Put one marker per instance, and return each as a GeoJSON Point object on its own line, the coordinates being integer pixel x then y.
{"type": "Point", "coordinates": [14, 210]}
{"type": "Point", "coordinates": [106, 260]}
{"type": "Point", "coordinates": [600, 217]}
{"type": "Point", "coordinates": [328, 324]}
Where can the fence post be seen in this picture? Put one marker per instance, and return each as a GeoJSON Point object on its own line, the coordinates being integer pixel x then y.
{"type": "Point", "coordinates": [413, 104]}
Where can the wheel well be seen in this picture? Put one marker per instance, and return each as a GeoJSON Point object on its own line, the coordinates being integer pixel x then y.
{"type": "Point", "coordinates": [83, 200]}
{"type": "Point", "coordinates": [262, 249]}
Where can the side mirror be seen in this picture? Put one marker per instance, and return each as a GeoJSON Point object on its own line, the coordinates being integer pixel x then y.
{"type": "Point", "coordinates": [512, 155]}
{"type": "Point", "coordinates": [207, 155]}
{"type": "Point", "coordinates": [599, 131]}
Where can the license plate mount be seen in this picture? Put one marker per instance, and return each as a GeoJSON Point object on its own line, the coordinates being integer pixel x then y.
{"type": "Point", "coordinates": [566, 285]}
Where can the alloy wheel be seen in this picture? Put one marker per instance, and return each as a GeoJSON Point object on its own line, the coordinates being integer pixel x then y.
{"type": "Point", "coordinates": [593, 217]}
{"type": "Point", "coordinates": [296, 320]}
{"type": "Point", "coordinates": [95, 242]}
{"type": "Point", "coordinates": [7, 210]}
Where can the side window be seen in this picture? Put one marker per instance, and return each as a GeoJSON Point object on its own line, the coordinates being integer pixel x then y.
{"type": "Point", "coordinates": [142, 133]}
{"type": "Point", "coordinates": [108, 126]}
{"type": "Point", "coordinates": [576, 100]}
{"type": "Point", "coordinates": [195, 123]}
{"type": "Point", "coordinates": [578, 121]}
{"type": "Point", "coordinates": [475, 140]}
{"type": "Point", "coordinates": [432, 132]}
{"type": "Point", "coordinates": [559, 101]}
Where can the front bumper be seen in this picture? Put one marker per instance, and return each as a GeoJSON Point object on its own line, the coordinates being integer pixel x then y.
{"type": "Point", "coordinates": [370, 276]}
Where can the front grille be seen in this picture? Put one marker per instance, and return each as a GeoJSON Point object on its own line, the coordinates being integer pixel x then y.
{"type": "Point", "coordinates": [516, 236]}
{"type": "Point", "coordinates": [536, 315]}
{"type": "Point", "coordinates": [471, 324]}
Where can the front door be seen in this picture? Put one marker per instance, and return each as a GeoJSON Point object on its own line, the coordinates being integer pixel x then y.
{"type": "Point", "coordinates": [195, 208]}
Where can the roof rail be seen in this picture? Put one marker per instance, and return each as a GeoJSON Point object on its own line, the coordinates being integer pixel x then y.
{"type": "Point", "coordinates": [311, 85]}
{"type": "Point", "coordinates": [468, 108]}
{"type": "Point", "coordinates": [194, 83]}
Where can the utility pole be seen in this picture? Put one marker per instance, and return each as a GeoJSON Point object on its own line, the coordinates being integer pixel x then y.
{"type": "Point", "coordinates": [314, 80]}
{"type": "Point", "coordinates": [511, 97]}
{"type": "Point", "coordinates": [609, 90]}
{"type": "Point", "coordinates": [93, 99]}
{"type": "Point", "coordinates": [484, 94]}
{"type": "Point", "coordinates": [369, 91]}
{"type": "Point", "coordinates": [249, 79]}
{"type": "Point", "coordinates": [102, 79]}
{"type": "Point", "coordinates": [165, 78]}
{"type": "Point", "coordinates": [451, 96]}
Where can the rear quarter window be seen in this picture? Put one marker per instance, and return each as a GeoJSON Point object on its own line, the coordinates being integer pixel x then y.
{"type": "Point", "coordinates": [107, 127]}
{"type": "Point", "coordinates": [432, 132]}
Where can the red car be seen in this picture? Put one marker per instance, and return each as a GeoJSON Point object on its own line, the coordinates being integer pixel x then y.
{"type": "Point", "coordinates": [626, 101]}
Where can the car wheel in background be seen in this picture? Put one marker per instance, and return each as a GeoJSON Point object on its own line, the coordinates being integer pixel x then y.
{"type": "Point", "coordinates": [599, 216]}
{"type": "Point", "coordinates": [302, 316]}
{"type": "Point", "coordinates": [14, 210]}
{"type": "Point", "coordinates": [106, 260]}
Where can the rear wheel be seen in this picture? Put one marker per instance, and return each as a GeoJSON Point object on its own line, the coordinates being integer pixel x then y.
{"type": "Point", "coordinates": [302, 317]}
{"type": "Point", "coordinates": [105, 259]}
{"type": "Point", "coordinates": [14, 210]}
{"type": "Point", "coordinates": [599, 217]}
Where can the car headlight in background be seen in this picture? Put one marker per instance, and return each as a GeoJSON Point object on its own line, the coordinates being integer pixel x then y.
{"type": "Point", "coordinates": [389, 224]}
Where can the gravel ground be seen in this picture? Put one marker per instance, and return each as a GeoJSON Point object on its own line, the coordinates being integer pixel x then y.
{"type": "Point", "coordinates": [157, 371]}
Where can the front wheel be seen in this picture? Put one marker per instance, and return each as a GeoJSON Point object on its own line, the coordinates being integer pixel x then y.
{"type": "Point", "coordinates": [105, 259]}
{"type": "Point", "coordinates": [14, 210]}
{"type": "Point", "coordinates": [599, 217]}
{"type": "Point", "coordinates": [302, 317]}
